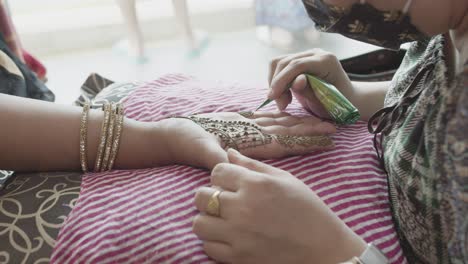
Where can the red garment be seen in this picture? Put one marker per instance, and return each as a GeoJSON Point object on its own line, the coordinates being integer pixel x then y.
{"type": "Point", "coordinates": [35, 65]}
{"type": "Point", "coordinates": [8, 30]}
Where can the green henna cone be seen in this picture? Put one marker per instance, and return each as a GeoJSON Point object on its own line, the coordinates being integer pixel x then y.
{"type": "Point", "coordinates": [341, 110]}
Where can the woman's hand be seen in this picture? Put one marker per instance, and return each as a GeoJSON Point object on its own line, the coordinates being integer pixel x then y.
{"type": "Point", "coordinates": [262, 135]}
{"type": "Point", "coordinates": [288, 71]}
{"type": "Point", "coordinates": [269, 216]}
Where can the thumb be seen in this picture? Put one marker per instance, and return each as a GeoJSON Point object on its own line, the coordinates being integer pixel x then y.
{"type": "Point", "coordinates": [213, 155]}
{"type": "Point", "coordinates": [300, 84]}
{"type": "Point", "coordinates": [306, 96]}
{"type": "Point", "coordinates": [238, 159]}
{"type": "Point", "coordinates": [300, 87]}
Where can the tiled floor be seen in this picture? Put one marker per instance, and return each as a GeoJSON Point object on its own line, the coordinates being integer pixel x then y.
{"type": "Point", "coordinates": [234, 56]}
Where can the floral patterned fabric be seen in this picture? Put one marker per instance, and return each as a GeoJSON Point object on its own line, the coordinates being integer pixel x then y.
{"type": "Point", "coordinates": [364, 22]}
{"type": "Point", "coordinates": [4, 176]}
{"type": "Point", "coordinates": [423, 124]}
{"type": "Point", "coordinates": [33, 206]}
{"type": "Point", "coordinates": [8, 31]}
{"type": "Point", "coordinates": [426, 156]}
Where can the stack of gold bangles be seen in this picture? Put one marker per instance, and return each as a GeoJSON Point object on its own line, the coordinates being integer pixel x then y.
{"type": "Point", "coordinates": [111, 131]}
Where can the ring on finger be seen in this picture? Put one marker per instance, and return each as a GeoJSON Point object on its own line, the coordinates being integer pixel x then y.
{"type": "Point", "coordinates": [213, 206]}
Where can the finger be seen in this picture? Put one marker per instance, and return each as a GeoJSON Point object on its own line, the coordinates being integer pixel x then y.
{"type": "Point", "coordinates": [210, 228]}
{"type": "Point", "coordinates": [226, 176]}
{"type": "Point", "coordinates": [214, 154]}
{"type": "Point", "coordinates": [283, 121]}
{"type": "Point", "coordinates": [218, 251]}
{"type": "Point", "coordinates": [305, 94]}
{"type": "Point", "coordinates": [270, 114]}
{"type": "Point", "coordinates": [284, 79]}
{"type": "Point", "coordinates": [301, 129]}
{"type": "Point", "coordinates": [284, 100]}
{"type": "Point", "coordinates": [236, 158]}
{"type": "Point", "coordinates": [300, 86]}
{"type": "Point", "coordinates": [211, 154]}
{"type": "Point", "coordinates": [226, 200]}
{"type": "Point", "coordinates": [299, 145]}
{"type": "Point", "coordinates": [272, 69]}
{"type": "Point", "coordinates": [285, 60]}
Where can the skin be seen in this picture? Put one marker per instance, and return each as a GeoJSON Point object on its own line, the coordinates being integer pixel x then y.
{"type": "Point", "coordinates": [42, 136]}
{"type": "Point", "coordinates": [438, 17]}
{"type": "Point", "coordinates": [251, 188]}
{"type": "Point", "coordinates": [290, 69]}
{"type": "Point", "coordinates": [250, 229]}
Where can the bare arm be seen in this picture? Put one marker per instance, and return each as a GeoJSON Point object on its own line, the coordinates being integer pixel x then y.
{"type": "Point", "coordinates": [368, 97]}
{"type": "Point", "coordinates": [43, 136]}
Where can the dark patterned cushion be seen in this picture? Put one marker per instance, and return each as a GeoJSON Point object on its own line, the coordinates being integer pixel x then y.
{"type": "Point", "coordinates": [33, 206]}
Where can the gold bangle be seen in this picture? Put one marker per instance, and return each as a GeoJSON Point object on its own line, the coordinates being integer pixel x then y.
{"type": "Point", "coordinates": [100, 150]}
{"type": "Point", "coordinates": [109, 137]}
{"type": "Point", "coordinates": [118, 133]}
{"type": "Point", "coordinates": [83, 137]}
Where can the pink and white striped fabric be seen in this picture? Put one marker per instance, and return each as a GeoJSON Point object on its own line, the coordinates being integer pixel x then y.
{"type": "Point", "coordinates": [145, 216]}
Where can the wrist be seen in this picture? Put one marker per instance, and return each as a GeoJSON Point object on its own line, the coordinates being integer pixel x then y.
{"type": "Point", "coordinates": [353, 245]}
{"type": "Point", "coordinates": [160, 138]}
{"type": "Point", "coordinates": [346, 245]}
{"type": "Point", "coordinates": [369, 97]}
{"type": "Point", "coordinates": [143, 145]}
{"type": "Point", "coordinates": [351, 93]}
{"type": "Point", "coordinates": [339, 244]}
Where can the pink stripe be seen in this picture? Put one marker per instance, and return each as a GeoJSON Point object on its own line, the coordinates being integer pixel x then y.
{"type": "Point", "coordinates": [155, 198]}
{"type": "Point", "coordinates": [369, 207]}
{"type": "Point", "coordinates": [367, 180]}
{"type": "Point", "coordinates": [364, 201]}
{"type": "Point", "coordinates": [142, 191]}
{"type": "Point", "coordinates": [374, 190]}
{"type": "Point", "coordinates": [87, 219]}
{"type": "Point", "coordinates": [144, 222]}
{"type": "Point", "coordinates": [120, 241]}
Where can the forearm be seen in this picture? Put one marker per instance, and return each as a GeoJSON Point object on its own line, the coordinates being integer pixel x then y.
{"type": "Point", "coordinates": [41, 136]}
{"type": "Point", "coordinates": [368, 97]}
{"type": "Point", "coordinates": [343, 244]}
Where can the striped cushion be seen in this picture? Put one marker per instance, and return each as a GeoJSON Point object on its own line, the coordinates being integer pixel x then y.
{"type": "Point", "coordinates": [144, 216]}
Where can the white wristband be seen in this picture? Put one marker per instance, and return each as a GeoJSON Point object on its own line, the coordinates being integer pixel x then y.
{"type": "Point", "coordinates": [372, 255]}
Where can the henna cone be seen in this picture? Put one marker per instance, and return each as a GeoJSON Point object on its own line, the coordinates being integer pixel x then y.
{"type": "Point", "coordinates": [340, 109]}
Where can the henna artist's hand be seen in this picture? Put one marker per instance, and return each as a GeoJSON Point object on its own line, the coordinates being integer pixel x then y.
{"type": "Point", "coordinates": [201, 140]}
{"type": "Point", "coordinates": [288, 71]}
{"type": "Point", "coordinates": [266, 215]}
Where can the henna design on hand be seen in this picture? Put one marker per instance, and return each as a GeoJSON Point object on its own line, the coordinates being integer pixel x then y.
{"type": "Point", "coordinates": [304, 141]}
{"type": "Point", "coordinates": [233, 134]}
{"type": "Point", "coordinates": [242, 135]}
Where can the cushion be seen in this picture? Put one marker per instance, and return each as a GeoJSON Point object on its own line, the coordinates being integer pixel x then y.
{"type": "Point", "coordinates": [145, 216]}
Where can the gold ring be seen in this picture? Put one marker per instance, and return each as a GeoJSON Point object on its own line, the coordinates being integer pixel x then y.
{"type": "Point", "coordinates": [212, 208]}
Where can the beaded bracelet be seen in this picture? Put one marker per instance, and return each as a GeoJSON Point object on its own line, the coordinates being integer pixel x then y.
{"type": "Point", "coordinates": [102, 143]}
{"type": "Point", "coordinates": [83, 138]}
{"type": "Point", "coordinates": [118, 133]}
{"type": "Point", "coordinates": [111, 132]}
{"type": "Point", "coordinates": [109, 137]}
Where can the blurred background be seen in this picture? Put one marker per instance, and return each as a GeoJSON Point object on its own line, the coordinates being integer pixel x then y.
{"type": "Point", "coordinates": [227, 40]}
